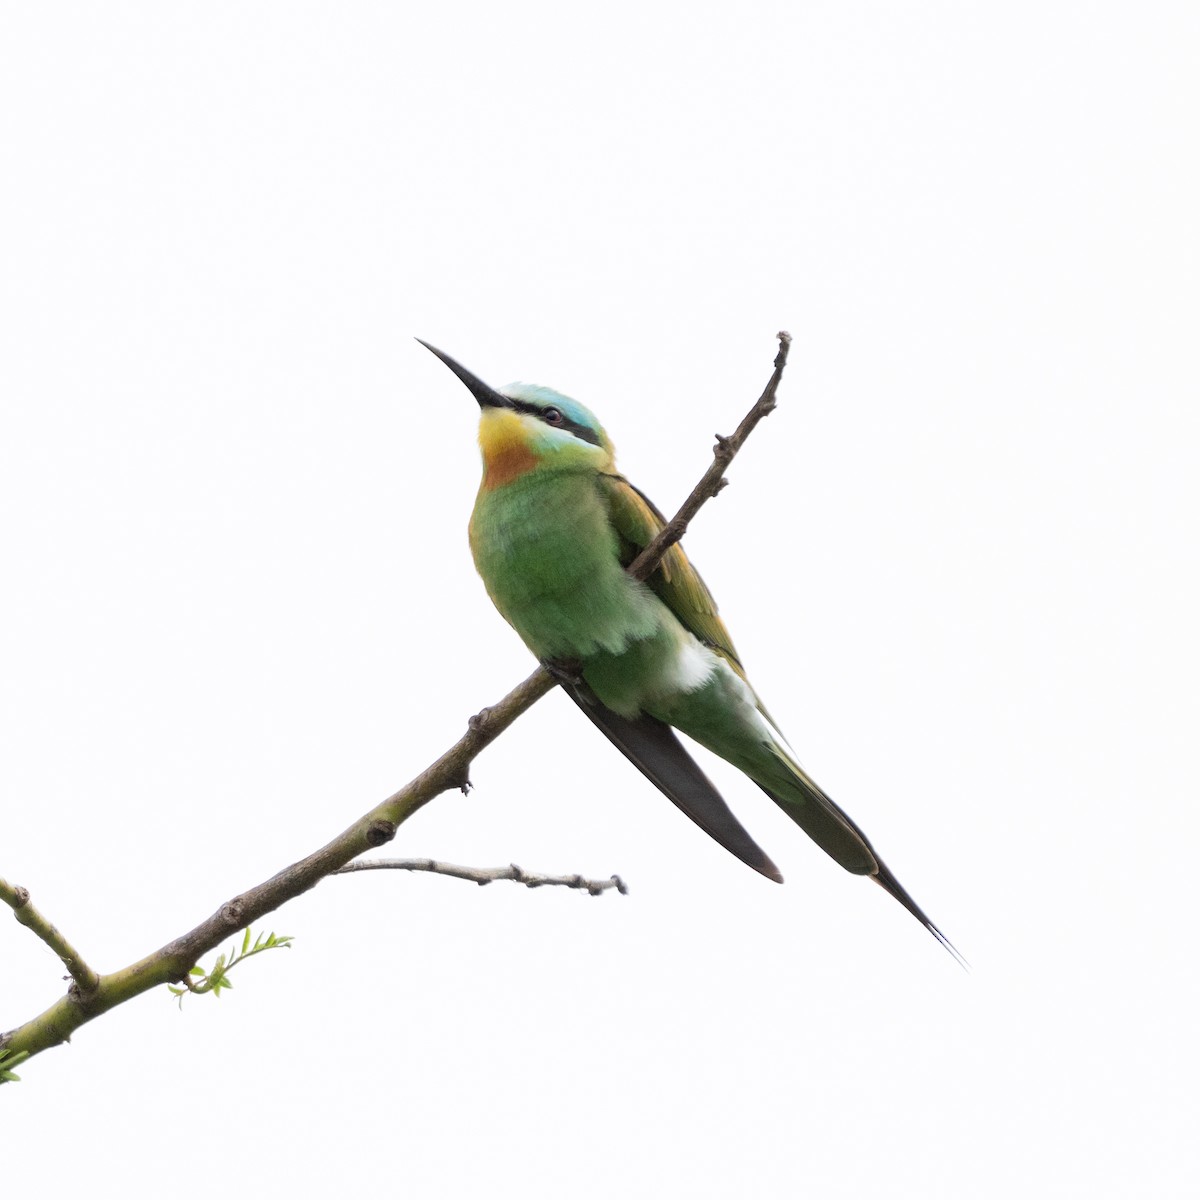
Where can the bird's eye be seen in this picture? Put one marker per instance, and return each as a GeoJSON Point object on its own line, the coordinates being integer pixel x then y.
{"type": "Point", "coordinates": [552, 416]}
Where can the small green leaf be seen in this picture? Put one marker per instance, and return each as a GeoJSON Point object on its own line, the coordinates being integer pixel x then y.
{"type": "Point", "coordinates": [8, 1060]}
{"type": "Point", "coordinates": [217, 979]}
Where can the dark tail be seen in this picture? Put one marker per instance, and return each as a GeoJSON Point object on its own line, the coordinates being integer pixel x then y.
{"type": "Point", "coordinates": [891, 885]}
{"type": "Point", "coordinates": [654, 749]}
{"type": "Point", "coordinates": [830, 828]}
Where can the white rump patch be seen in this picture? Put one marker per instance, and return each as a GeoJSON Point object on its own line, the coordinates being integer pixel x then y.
{"type": "Point", "coordinates": [693, 666]}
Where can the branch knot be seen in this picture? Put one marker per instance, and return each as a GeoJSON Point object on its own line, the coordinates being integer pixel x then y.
{"type": "Point", "coordinates": [380, 832]}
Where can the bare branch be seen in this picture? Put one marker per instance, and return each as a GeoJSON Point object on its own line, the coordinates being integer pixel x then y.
{"type": "Point", "coordinates": [172, 962]}
{"type": "Point", "coordinates": [485, 875]}
{"type": "Point", "coordinates": [17, 898]}
{"type": "Point", "coordinates": [713, 480]}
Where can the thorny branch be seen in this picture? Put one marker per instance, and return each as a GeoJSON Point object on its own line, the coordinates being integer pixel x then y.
{"type": "Point", "coordinates": [90, 995]}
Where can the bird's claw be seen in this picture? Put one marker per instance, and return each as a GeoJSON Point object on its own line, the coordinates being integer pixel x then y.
{"type": "Point", "coordinates": [567, 671]}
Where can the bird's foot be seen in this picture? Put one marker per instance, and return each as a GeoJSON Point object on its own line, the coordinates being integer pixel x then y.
{"type": "Point", "coordinates": [567, 671]}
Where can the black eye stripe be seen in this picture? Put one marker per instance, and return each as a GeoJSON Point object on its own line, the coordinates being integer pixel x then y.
{"type": "Point", "coordinates": [582, 432]}
{"type": "Point", "coordinates": [523, 406]}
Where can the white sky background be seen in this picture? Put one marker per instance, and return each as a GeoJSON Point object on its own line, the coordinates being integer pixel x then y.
{"type": "Point", "coordinates": [238, 606]}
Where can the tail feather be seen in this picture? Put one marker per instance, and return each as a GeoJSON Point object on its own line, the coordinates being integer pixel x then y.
{"type": "Point", "coordinates": [834, 830]}
{"type": "Point", "coordinates": [654, 749]}
{"type": "Point", "coordinates": [753, 745]}
{"type": "Point", "coordinates": [890, 884]}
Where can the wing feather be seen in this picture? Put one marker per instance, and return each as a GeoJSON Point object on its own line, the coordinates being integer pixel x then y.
{"type": "Point", "coordinates": [654, 749]}
{"type": "Point", "coordinates": [676, 582]}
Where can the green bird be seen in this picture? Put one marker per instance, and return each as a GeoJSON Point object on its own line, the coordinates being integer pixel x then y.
{"type": "Point", "coordinates": [553, 529]}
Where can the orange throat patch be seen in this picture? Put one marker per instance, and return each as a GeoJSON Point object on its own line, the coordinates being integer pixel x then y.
{"type": "Point", "coordinates": [504, 441]}
{"type": "Point", "coordinates": [506, 465]}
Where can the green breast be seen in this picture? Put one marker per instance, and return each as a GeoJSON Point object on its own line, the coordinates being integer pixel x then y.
{"type": "Point", "coordinates": [548, 556]}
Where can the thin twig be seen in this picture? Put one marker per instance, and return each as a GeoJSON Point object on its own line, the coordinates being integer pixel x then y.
{"type": "Point", "coordinates": [485, 875]}
{"type": "Point", "coordinates": [172, 962]}
{"type": "Point", "coordinates": [17, 898]}
{"type": "Point", "coordinates": [713, 480]}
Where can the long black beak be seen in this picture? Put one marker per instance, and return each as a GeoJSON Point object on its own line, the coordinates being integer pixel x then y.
{"type": "Point", "coordinates": [487, 397]}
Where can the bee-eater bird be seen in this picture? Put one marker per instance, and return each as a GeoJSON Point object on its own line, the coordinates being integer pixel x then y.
{"type": "Point", "coordinates": [554, 527]}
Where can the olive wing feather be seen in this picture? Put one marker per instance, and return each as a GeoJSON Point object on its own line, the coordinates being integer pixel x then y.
{"type": "Point", "coordinates": [675, 581]}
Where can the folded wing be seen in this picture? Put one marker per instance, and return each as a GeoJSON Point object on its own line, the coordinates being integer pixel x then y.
{"type": "Point", "coordinates": [654, 749]}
